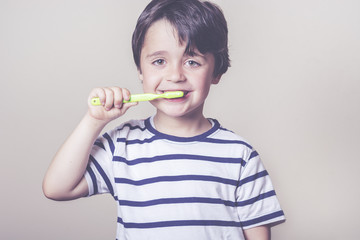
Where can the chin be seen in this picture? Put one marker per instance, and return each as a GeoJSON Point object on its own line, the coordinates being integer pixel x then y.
{"type": "Point", "coordinates": [173, 114]}
{"type": "Point", "coordinates": [176, 113]}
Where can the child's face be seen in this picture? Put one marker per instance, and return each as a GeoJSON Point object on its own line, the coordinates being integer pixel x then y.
{"type": "Point", "coordinates": [166, 67]}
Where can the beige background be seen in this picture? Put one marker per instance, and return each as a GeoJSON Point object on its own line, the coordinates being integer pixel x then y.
{"type": "Point", "coordinates": [293, 91]}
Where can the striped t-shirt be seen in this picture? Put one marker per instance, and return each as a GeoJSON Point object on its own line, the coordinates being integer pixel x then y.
{"type": "Point", "coordinates": [210, 186]}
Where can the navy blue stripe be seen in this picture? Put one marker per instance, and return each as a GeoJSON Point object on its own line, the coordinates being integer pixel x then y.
{"type": "Point", "coordinates": [160, 135]}
{"type": "Point", "coordinates": [176, 179]}
{"type": "Point", "coordinates": [253, 177]}
{"type": "Point", "coordinates": [225, 129]}
{"type": "Point", "coordinates": [208, 140]}
{"type": "Point", "coordinates": [111, 144]}
{"type": "Point", "coordinates": [195, 200]}
{"type": "Point", "coordinates": [225, 141]}
{"type": "Point", "coordinates": [99, 144]}
{"type": "Point", "coordinates": [131, 127]}
{"type": "Point", "coordinates": [103, 174]}
{"type": "Point", "coordinates": [255, 199]}
{"type": "Point", "coordinates": [262, 219]}
{"type": "Point", "coordinates": [253, 154]}
{"type": "Point", "coordinates": [180, 223]}
{"type": "Point", "coordinates": [93, 178]}
{"type": "Point", "coordinates": [179, 156]}
{"type": "Point", "coordinates": [176, 201]}
{"type": "Point", "coordinates": [137, 141]}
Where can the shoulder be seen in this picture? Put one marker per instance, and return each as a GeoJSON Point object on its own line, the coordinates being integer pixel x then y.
{"type": "Point", "coordinates": [233, 140]}
{"type": "Point", "coordinates": [112, 141]}
{"type": "Point", "coordinates": [229, 135]}
{"type": "Point", "coordinates": [123, 130]}
{"type": "Point", "coordinates": [131, 127]}
{"type": "Point", "coordinates": [135, 124]}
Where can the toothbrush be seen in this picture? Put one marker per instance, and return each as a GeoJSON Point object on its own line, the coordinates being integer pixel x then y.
{"type": "Point", "coordinates": [144, 97]}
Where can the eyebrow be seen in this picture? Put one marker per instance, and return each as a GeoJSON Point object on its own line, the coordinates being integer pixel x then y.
{"type": "Point", "coordinates": [155, 54]}
{"type": "Point", "coordinates": [190, 53]}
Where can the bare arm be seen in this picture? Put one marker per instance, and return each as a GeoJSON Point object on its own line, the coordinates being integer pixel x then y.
{"type": "Point", "coordinates": [64, 179]}
{"type": "Point", "coordinates": [258, 233]}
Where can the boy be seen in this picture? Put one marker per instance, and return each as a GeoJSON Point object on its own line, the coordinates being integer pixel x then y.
{"type": "Point", "coordinates": [175, 175]}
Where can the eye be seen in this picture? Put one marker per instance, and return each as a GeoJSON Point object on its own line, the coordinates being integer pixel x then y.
{"type": "Point", "coordinates": [192, 63]}
{"type": "Point", "coordinates": [159, 62]}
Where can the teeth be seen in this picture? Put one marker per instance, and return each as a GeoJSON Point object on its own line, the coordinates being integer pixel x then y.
{"type": "Point", "coordinates": [165, 91]}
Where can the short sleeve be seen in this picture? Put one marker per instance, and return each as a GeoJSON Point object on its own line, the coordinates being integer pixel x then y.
{"type": "Point", "coordinates": [99, 174]}
{"type": "Point", "coordinates": [256, 198]}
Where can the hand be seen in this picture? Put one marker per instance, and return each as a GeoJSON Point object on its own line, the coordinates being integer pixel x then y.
{"type": "Point", "coordinates": [112, 103]}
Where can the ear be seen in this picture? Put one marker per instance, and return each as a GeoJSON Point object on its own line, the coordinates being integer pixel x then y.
{"type": "Point", "coordinates": [216, 80]}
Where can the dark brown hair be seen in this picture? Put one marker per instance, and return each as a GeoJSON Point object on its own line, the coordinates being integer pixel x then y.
{"type": "Point", "coordinates": [201, 24]}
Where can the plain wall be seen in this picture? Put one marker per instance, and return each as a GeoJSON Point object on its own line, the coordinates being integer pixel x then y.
{"type": "Point", "coordinates": [293, 91]}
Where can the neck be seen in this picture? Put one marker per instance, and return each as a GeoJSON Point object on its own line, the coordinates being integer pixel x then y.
{"type": "Point", "coordinates": [184, 126]}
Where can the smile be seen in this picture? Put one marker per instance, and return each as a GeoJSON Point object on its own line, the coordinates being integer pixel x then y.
{"type": "Point", "coordinates": [184, 91]}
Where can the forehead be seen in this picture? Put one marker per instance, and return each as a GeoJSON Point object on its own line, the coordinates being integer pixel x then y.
{"type": "Point", "coordinates": [163, 35]}
{"type": "Point", "coordinates": [162, 30]}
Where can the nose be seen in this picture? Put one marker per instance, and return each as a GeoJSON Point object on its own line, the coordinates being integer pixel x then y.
{"type": "Point", "coordinates": [175, 73]}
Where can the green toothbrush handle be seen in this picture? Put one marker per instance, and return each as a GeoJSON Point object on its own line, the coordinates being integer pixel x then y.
{"type": "Point", "coordinates": [141, 97]}
{"type": "Point", "coordinates": [134, 98]}
{"type": "Point", "coordinates": [144, 97]}
{"type": "Point", "coordinates": [96, 101]}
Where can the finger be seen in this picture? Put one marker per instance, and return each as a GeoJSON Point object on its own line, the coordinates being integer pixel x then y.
{"type": "Point", "coordinates": [126, 94]}
{"type": "Point", "coordinates": [118, 97]}
{"type": "Point", "coordinates": [109, 100]}
{"type": "Point", "coordinates": [97, 92]}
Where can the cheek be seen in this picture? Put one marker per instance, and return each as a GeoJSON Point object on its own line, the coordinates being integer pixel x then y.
{"type": "Point", "coordinates": [204, 85]}
{"type": "Point", "coordinates": [146, 86]}
{"type": "Point", "coordinates": [204, 81]}
{"type": "Point", "coordinates": [149, 82]}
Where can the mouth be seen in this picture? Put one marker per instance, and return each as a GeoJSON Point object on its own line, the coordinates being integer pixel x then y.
{"type": "Point", "coordinates": [184, 91]}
